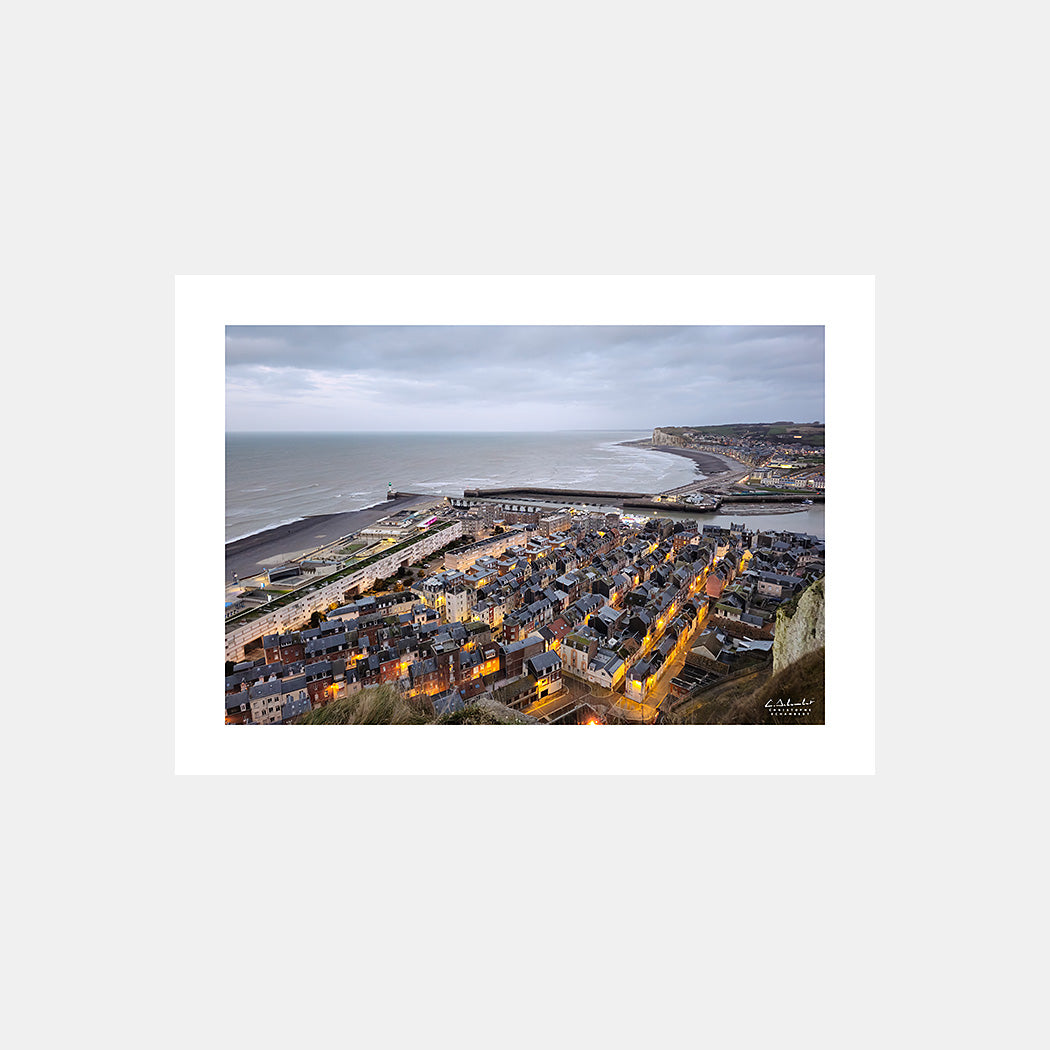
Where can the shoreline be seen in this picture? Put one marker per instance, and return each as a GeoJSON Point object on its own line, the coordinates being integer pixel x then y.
{"type": "Point", "coordinates": [246, 555]}
{"type": "Point", "coordinates": [707, 463]}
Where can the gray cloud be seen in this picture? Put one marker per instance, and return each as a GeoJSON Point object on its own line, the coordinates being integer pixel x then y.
{"type": "Point", "coordinates": [520, 377]}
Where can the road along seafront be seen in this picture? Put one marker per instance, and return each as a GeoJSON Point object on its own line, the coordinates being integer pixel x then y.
{"type": "Point", "coordinates": [247, 625]}
{"type": "Point", "coordinates": [721, 488]}
{"type": "Point", "coordinates": [252, 554]}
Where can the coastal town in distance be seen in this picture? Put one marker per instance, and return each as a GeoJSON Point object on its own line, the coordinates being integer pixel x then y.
{"type": "Point", "coordinates": [547, 604]}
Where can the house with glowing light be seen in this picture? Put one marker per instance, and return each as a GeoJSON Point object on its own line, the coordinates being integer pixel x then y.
{"type": "Point", "coordinates": [545, 671]}
{"type": "Point", "coordinates": [606, 669]}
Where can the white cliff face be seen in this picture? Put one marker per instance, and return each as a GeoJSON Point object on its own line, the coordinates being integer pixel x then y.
{"type": "Point", "coordinates": [802, 630]}
{"type": "Point", "coordinates": [662, 438]}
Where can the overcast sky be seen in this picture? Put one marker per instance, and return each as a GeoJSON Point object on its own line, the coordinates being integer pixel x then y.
{"type": "Point", "coordinates": [520, 377]}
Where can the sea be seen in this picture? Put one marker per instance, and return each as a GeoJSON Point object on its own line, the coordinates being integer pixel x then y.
{"type": "Point", "coordinates": [276, 478]}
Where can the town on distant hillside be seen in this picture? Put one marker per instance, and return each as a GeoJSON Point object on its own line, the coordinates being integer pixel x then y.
{"type": "Point", "coordinates": [785, 456]}
{"type": "Point", "coordinates": [505, 611]}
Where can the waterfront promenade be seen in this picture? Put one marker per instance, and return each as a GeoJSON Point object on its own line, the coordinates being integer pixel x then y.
{"type": "Point", "coordinates": [253, 554]}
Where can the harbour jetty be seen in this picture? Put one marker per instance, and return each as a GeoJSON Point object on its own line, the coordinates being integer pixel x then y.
{"type": "Point", "coordinates": [712, 501]}
{"type": "Point", "coordinates": [634, 500]}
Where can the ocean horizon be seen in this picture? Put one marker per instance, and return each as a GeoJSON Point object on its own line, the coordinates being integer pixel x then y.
{"type": "Point", "coordinates": [277, 477]}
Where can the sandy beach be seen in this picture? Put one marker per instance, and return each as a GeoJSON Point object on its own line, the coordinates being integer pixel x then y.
{"type": "Point", "coordinates": [247, 556]}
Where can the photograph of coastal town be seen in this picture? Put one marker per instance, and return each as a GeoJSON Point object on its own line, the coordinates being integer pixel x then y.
{"type": "Point", "coordinates": [525, 525]}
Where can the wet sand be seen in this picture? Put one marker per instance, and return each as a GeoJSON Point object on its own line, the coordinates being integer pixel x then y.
{"type": "Point", "coordinates": [247, 556]}
{"type": "Point", "coordinates": [734, 509]}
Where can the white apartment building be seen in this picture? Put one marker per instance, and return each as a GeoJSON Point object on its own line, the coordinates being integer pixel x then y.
{"type": "Point", "coordinates": [243, 633]}
{"type": "Point", "coordinates": [459, 604]}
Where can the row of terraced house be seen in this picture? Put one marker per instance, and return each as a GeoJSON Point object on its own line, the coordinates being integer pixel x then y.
{"type": "Point", "coordinates": [459, 631]}
{"type": "Point", "coordinates": [789, 477]}
{"type": "Point", "coordinates": [608, 604]}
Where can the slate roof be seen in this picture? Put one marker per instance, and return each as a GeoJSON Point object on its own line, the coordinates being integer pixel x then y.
{"type": "Point", "coordinates": [295, 707]}
{"type": "Point", "coordinates": [446, 703]}
{"type": "Point", "coordinates": [421, 668]}
{"type": "Point", "coordinates": [607, 661]}
{"type": "Point", "coordinates": [544, 663]}
{"type": "Point", "coordinates": [776, 577]}
{"type": "Point", "coordinates": [709, 642]}
{"type": "Point", "coordinates": [322, 645]}
{"type": "Point", "coordinates": [264, 689]}
{"type": "Point", "coordinates": [639, 671]}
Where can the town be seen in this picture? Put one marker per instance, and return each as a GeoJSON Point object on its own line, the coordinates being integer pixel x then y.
{"type": "Point", "coordinates": [785, 457]}
{"type": "Point", "coordinates": [537, 613]}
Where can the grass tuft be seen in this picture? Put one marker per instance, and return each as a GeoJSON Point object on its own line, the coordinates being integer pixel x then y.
{"type": "Point", "coordinates": [376, 705]}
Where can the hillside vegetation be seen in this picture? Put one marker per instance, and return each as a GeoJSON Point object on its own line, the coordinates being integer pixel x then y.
{"type": "Point", "coordinates": [380, 705]}
{"type": "Point", "coordinates": [383, 705]}
{"type": "Point", "coordinates": [744, 701]}
{"type": "Point", "coordinates": [781, 432]}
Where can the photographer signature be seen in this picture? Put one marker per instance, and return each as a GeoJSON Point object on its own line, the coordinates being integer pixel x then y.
{"type": "Point", "coordinates": [787, 706]}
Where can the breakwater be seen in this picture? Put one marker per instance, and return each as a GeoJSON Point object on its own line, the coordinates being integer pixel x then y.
{"type": "Point", "coordinates": [712, 503]}
{"type": "Point", "coordinates": [622, 499]}
{"type": "Point", "coordinates": [521, 493]}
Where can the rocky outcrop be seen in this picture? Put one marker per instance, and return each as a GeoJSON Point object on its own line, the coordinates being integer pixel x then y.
{"type": "Point", "coordinates": [800, 626]}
